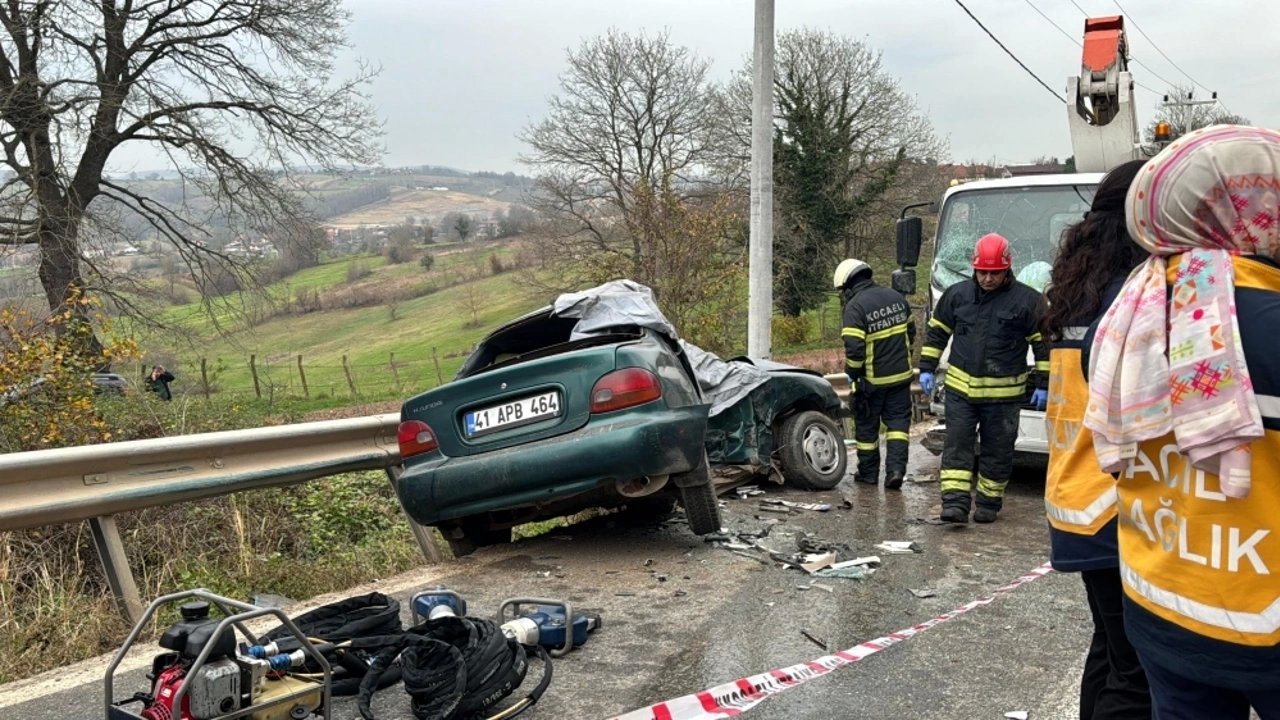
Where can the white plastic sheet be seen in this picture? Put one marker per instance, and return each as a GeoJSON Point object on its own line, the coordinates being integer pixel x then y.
{"type": "Point", "coordinates": [626, 302]}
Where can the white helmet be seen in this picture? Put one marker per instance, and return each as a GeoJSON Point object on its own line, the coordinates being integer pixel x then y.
{"type": "Point", "coordinates": [847, 269]}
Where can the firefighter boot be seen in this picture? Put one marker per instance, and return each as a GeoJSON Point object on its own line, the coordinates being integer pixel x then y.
{"type": "Point", "coordinates": [988, 508]}
{"type": "Point", "coordinates": [955, 507]}
{"type": "Point", "coordinates": [868, 465]}
{"type": "Point", "coordinates": [893, 480]}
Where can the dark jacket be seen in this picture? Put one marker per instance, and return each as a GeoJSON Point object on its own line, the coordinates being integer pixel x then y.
{"type": "Point", "coordinates": [160, 385]}
{"type": "Point", "coordinates": [992, 331]}
{"type": "Point", "coordinates": [878, 333]}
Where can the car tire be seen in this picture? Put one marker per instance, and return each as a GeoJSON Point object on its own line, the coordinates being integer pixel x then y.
{"type": "Point", "coordinates": [465, 536]}
{"type": "Point", "coordinates": [812, 452]}
{"type": "Point", "coordinates": [698, 497]}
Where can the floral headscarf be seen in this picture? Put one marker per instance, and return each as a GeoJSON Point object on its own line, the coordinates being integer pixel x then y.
{"type": "Point", "coordinates": [1172, 362]}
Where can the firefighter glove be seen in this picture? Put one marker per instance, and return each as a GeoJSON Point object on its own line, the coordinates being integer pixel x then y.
{"type": "Point", "coordinates": [926, 383]}
{"type": "Point", "coordinates": [1040, 398]}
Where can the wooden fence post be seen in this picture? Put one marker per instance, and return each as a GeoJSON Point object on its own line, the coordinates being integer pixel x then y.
{"type": "Point", "coordinates": [346, 368]}
{"type": "Point", "coordinates": [204, 376]}
{"type": "Point", "coordinates": [305, 391]}
{"type": "Point", "coordinates": [394, 375]}
{"type": "Point", "coordinates": [436, 359]}
{"type": "Point", "coordinates": [253, 368]}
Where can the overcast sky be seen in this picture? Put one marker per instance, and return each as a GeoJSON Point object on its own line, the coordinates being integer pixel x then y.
{"type": "Point", "coordinates": [460, 78]}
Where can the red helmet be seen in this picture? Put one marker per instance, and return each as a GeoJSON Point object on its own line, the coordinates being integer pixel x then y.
{"type": "Point", "coordinates": [992, 253]}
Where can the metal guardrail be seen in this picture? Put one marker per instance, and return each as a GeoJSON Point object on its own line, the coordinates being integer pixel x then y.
{"type": "Point", "coordinates": [46, 487]}
{"type": "Point", "coordinates": [95, 482]}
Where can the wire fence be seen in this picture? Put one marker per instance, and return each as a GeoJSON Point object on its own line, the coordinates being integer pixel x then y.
{"type": "Point", "coordinates": [277, 376]}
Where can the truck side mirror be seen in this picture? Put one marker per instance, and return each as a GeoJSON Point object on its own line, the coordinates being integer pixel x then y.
{"type": "Point", "coordinates": [904, 281]}
{"type": "Point", "coordinates": [910, 232]}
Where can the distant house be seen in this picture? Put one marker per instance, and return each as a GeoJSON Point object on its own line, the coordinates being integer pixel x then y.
{"type": "Point", "coordinates": [1009, 171]}
{"type": "Point", "coordinates": [440, 188]}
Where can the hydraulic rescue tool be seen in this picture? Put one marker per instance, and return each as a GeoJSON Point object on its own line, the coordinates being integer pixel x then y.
{"type": "Point", "coordinates": [545, 624]}
{"type": "Point", "coordinates": [206, 675]}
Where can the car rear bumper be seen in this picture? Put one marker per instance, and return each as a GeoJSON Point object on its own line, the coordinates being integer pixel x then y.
{"type": "Point", "coordinates": [608, 448]}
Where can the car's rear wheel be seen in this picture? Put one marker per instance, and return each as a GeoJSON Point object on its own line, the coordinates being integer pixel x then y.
{"type": "Point", "coordinates": [812, 451]}
{"type": "Point", "coordinates": [698, 496]}
{"type": "Point", "coordinates": [468, 534]}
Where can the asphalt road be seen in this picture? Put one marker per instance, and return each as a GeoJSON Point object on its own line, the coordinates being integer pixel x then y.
{"type": "Point", "coordinates": [681, 615]}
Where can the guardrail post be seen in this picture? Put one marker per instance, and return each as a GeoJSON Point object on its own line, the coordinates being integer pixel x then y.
{"type": "Point", "coordinates": [425, 536]}
{"type": "Point", "coordinates": [106, 536]}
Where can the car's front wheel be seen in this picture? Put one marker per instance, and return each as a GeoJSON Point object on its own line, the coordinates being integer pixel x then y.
{"type": "Point", "coordinates": [812, 451]}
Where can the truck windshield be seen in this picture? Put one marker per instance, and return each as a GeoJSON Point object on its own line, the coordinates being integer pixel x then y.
{"type": "Point", "coordinates": [1031, 218]}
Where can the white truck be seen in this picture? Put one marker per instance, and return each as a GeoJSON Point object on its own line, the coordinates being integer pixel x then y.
{"type": "Point", "coordinates": [1032, 211]}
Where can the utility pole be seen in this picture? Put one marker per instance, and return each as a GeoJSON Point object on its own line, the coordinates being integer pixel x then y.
{"type": "Point", "coordinates": [760, 285]}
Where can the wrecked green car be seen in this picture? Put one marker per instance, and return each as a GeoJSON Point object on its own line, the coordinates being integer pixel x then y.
{"type": "Point", "coordinates": [595, 402]}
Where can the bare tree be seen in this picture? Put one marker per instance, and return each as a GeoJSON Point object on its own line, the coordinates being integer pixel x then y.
{"type": "Point", "coordinates": [1184, 113]}
{"type": "Point", "coordinates": [631, 117]}
{"type": "Point", "coordinates": [230, 93]}
{"type": "Point", "coordinates": [848, 139]}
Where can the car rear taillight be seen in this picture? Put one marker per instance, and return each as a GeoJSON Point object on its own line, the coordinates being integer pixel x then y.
{"type": "Point", "coordinates": [623, 389]}
{"type": "Point", "coordinates": [415, 438]}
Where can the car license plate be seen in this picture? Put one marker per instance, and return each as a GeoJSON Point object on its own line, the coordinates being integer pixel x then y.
{"type": "Point", "coordinates": [511, 414]}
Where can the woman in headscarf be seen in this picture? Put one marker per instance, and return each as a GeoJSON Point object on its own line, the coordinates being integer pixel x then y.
{"type": "Point", "coordinates": [1093, 261]}
{"type": "Point", "coordinates": [1184, 405]}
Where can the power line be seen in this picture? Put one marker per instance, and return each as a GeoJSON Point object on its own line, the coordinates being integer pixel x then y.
{"type": "Point", "coordinates": [1009, 52]}
{"type": "Point", "coordinates": [1157, 47]}
{"type": "Point", "coordinates": [1079, 44]}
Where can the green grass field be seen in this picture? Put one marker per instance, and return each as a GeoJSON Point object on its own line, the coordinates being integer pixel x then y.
{"type": "Point", "coordinates": [439, 327]}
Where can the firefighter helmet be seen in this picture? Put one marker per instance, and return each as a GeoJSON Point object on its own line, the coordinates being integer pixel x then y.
{"type": "Point", "coordinates": [847, 270]}
{"type": "Point", "coordinates": [992, 253]}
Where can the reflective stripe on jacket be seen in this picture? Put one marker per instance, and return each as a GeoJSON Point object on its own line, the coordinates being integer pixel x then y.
{"type": "Point", "coordinates": [989, 333]}
{"type": "Point", "coordinates": [878, 332]}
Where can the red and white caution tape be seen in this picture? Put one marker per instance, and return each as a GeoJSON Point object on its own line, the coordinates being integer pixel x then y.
{"type": "Point", "coordinates": [733, 698]}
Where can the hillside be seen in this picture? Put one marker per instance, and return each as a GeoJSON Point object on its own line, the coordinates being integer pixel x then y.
{"type": "Point", "coordinates": [417, 203]}
{"type": "Point", "coordinates": [391, 346]}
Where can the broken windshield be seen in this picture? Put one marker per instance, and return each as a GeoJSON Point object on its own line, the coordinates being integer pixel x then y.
{"type": "Point", "coordinates": [1030, 218]}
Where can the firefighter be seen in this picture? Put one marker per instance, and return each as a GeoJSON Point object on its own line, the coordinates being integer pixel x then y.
{"type": "Point", "coordinates": [991, 320]}
{"type": "Point", "coordinates": [878, 332]}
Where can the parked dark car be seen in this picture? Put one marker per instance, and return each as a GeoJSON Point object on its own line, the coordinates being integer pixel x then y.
{"type": "Point", "coordinates": [104, 383]}
{"type": "Point", "coordinates": [595, 403]}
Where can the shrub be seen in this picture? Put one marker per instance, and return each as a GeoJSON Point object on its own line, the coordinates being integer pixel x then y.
{"type": "Point", "coordinates": [790, 331]}
{"type": "Point", "coordinates": [357, 269]}
{"type": "Point", "coordinates": [427, 261]}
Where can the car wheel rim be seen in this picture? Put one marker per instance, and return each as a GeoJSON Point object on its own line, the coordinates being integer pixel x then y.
{"type": "Point", "coordinates": [820, 449]}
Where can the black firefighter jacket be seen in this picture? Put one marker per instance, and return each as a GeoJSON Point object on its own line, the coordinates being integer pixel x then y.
{"type": "Point", "coordinates": [878, 332]}
{"type": "Point", "coordinates": [990, 333]}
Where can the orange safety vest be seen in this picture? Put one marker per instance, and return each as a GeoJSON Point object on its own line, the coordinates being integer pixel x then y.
{"type": "Point", "coordinates": [1191, 555]}
{"type": "Point", "coordinates": [1078, 497]}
